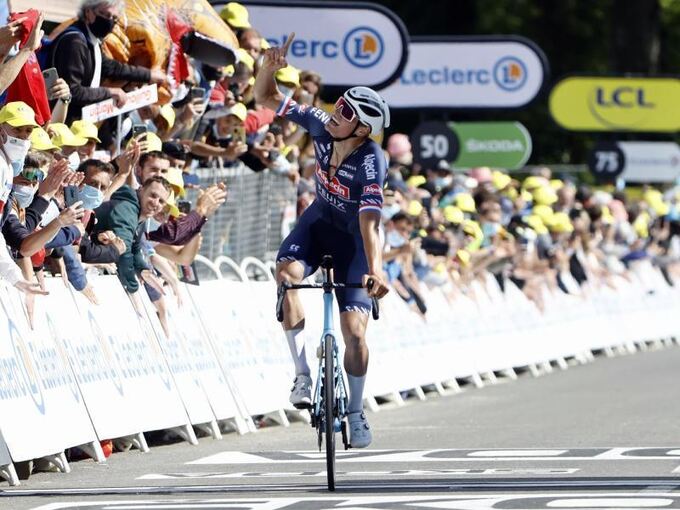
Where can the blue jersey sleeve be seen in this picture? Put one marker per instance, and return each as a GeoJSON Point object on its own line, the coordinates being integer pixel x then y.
{"type": "Point", "coordinates": [311, 118]}
{"type": "Point", "coordinates": [372, 172]}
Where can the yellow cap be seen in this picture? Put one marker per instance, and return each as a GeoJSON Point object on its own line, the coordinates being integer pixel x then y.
{"type": "Point", "coordinates": [641, 225]}
{"type": "Point", "coordinates": [465, 202]}
{"type": "Point", "coordinates": [288, 74]}
{"type": "Point", "coordinates": [534, 181]}
{"type": "Point", "coordinates": [500, 180]}
{"type": "Point", "coordinates": [168, 113]}
{"type": "Point", "coordinates": [85, 129]}
{"type": "Point", "coordinates": [556, 184]}
{"type": "Point", "coordinates": [235, 15]}
{"type": "Point", "coordinates": [63, 137]}
{"type": "Point", "coordinates": [171, 205]}
{"type": "Point", "coordinates": [245, 58]}
{"type": "Point", "coordinates": [544, 212]}
{"type": "Point", "coordinates": [17, 114]}
{"type": "Point", "coordinates": [536, 223]}
{"type": "Point", "coordinates": [40, 140]}
{"type": "Point", "coordinates": [473, 229]}
{"type": "Point", "coordinates": [153, 143]}
{"type": "Point", "coordinates": [453, 214]}
{"type": "Point", "coordinates": [544, 195]}
{"type": "Point", "coordinates": [560, 223]}
{"type": "Point", "coordinates": [464, 257]}
{"type": "Point", "coordinates": [416, 180]}
{"type": "Point", "coordinates": [174, 177]}
{"type": "Point", "coordinates": [264, 44]}
{"type": "Point", "coordinates": [414, 208]}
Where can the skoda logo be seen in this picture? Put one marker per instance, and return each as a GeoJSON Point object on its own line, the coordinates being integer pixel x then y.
{"type": "Point", "coordinates": [363, 47]}
{"type": "Point", "coordinates": [510, 73]}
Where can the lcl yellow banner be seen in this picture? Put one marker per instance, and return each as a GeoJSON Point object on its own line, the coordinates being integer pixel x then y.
{"type": "Point", "coordinates": [617, 104]}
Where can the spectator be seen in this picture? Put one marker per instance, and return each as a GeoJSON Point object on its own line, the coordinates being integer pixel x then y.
{"type": "Point", "coordinates": [88, 131]}
{"type": "Point", "coordinates": [77, 56]}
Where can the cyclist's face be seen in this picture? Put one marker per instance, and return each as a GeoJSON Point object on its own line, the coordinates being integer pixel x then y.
{"type": "Point", "coordinates": [338, 126]}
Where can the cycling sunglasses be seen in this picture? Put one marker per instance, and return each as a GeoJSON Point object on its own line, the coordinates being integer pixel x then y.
{"type": "Point", "coordinates": [33, 174]}
{"type": "Point", "coordinates": [345, 109]}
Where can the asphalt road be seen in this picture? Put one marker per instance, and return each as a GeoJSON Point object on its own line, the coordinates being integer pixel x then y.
{"type": "Point", "coordinates": [602, 435]}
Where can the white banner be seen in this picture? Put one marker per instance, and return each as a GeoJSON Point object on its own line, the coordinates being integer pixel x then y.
{"type": "Point", "coordinates": [650, 161]}
{"type": "Point", "coordinates": [37, 384]}
{"type": "Point", "coordinates": [347, 44]}
{"type": "Point", "coordinates": [106, 109]}
{"type": "Point", "coordinates": [469, 72]}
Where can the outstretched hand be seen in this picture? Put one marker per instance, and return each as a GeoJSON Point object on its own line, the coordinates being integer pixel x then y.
{"type": "Point", "coordinates": [275, 57]}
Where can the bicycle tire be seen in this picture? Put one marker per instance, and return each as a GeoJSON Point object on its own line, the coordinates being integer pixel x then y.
{"type": "Point", "coordinates": [329, 410]}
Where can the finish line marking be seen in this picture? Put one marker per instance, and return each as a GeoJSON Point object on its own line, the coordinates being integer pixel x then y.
{"type": "Point", "coordinates": [403, 472]}
{"type": "Point", "coordinates": [403, 456]}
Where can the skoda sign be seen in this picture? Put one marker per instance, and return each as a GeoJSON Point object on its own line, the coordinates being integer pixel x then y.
{"type": "Point", "coordinates": [348, 43]}
{"type": "Point", "coordinates": [617, 104]}
{"type": "Point", "coordinates": [469, 72]}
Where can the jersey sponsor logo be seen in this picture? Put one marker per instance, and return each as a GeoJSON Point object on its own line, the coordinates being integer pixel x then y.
{"type": "Point", "coordinates": [346, 175]}
{"type": "Point", "coordinates": [321, 115]}
{"type": "Point", "coordinates": [373, 189]}
{"type": "Point", "coordinates": [332, 199]}
{"type": "Point", "coordinates": [369, 166]}
{"type": "Point", "coordinates": [333, 185]}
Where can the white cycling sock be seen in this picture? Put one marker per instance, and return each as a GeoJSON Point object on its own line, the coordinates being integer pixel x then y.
{"type": "Point", "coordinates": [296, 343]}
{"type": "Point", "coordinates": [356, 393]}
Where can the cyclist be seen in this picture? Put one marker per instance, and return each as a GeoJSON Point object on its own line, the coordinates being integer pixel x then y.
{"type": "Point", "coordinates": [342, 222]}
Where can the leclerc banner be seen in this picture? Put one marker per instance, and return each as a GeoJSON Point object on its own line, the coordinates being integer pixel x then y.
{"type": "Point", "coordinates": [469, 72]}
{"type": "Point", "coordinates": [348, 43]}
{"type": "Point", "coordinates": [617, 104]}
{"type": "Point", "coordinates": [636, 161]}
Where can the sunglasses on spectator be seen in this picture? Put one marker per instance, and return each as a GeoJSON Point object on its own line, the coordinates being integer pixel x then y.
{"type": "Point", "coordinates": [345, 110]}
{"type": "Point", "coordinates": [33, 174]}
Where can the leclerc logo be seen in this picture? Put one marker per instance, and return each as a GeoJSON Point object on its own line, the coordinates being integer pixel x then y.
{"type": "Point", "coordinates": [510, 73]}
{"type": "Point", "coordinates": [363, 47]}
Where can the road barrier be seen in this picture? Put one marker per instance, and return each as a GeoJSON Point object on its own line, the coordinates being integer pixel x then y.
{"type": "Point", "coordinates": [88, 372]}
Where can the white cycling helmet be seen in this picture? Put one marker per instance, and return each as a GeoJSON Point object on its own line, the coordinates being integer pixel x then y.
{"type": "Point", "coordinates": [371, 109]}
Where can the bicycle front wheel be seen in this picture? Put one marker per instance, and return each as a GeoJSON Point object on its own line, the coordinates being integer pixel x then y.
{"type": "Point", "coordinates": [329, 409]}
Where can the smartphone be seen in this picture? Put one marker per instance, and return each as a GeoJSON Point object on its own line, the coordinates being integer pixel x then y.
{"type": "Point", "coordinates": [70, 195]}
{"type": "Point", "coordinates": [184, 206]}
{"type": "Point", "coordinates": [239, 134]}
{"type": "Point", "coordinates": [138, 129]}
{"type": "Point", "coordinates": [50, 76]}
{"type": "Point", "coordinates": [197, 93]}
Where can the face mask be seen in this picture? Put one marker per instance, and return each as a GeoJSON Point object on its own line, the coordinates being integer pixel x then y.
{"type": "Point", "coordinates": [24, 195]}
{"type": "Point", "coordinates": [394, 239]}
{"type": "Point", "coordinates": [101, 26]}
{"type": "Point", "coordinates": [490, 229]}
{"type": "Point", "coordinates": [91, 197]}
{"type": "Point", "coordinates": [152, 224]}
{"type": "Point", "coordinates": [389, 211]}
{"type": "Point", "coordinates": [442, 182]}
{"type": "Point", "coordinates": [16, 150]}
{"type": "Point", "coordinates": [73, 161]}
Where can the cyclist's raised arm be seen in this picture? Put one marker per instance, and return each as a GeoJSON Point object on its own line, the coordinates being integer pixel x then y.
{"type": "Point", "coordinates": [265, 89]}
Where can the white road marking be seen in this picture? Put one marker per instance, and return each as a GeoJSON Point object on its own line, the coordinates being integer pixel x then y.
{"type": "Point", "coordinates": [559, 500]}
{"type": "Point", "coordinates": [439, 456]}
{"type": "Point", "coordinates": [391, 473]}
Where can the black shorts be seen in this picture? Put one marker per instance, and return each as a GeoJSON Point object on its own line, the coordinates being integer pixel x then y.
{"type": "Point", "coordinates": [311, 239]}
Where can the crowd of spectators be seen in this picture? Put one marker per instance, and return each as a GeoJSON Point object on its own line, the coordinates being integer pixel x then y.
{"type": "Point", "coordinates": [80, 198]}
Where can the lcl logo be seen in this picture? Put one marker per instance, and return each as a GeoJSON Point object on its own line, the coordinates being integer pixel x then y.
{"type": "Point", "coordinates": [623, 97]}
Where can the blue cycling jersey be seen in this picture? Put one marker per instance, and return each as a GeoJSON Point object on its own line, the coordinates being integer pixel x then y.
{"type": "Point", "coordinates": [357, 185]}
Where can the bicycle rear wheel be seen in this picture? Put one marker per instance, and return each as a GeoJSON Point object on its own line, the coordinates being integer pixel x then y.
{"type": "Point", "coordinates": [329, 410]}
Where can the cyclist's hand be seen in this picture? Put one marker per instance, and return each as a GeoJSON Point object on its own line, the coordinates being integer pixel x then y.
{"type": "Point", "coordinates": [379, 288]}
{"type": "Point", "coordinates": [275, 57]}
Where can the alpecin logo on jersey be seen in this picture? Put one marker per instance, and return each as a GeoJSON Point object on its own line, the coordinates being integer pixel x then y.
{"type": "Point", "coordinates": [372, 189]}
{"type": "Point", "coordinates": [369, 166]}
{"type": "Point", "coordinates": [333, 185]}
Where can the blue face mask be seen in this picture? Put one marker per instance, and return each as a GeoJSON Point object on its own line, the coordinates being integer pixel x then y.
{"type": "Point", "coordinates": [24, 195]}
{"type": "Point", "coordinates": [395, 239]}
{"type": "Point", "coordinates": [91, 197]}
{"type": "Point", "coordinates": [152, 224]}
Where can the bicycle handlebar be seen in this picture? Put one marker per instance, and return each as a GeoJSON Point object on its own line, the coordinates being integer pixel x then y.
{"type": "Point", "coordinates": [285, 286]}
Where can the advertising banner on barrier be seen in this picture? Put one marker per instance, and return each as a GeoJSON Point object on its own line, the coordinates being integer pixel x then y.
{"type": "Point", "coordinates": [348, 43]}
{"type": "Point", "coordinates": [469, 72]}
{"type": "Point", "coordinates": [37, 385]}
{"type": "Point", "coordinates": [128, 388]}
{"type": "Point", "coordinates": [591, 103]}
{"type": "Point", "coordinates": [470, 144]}
{"type": "Point", "coordinates": [636, 161]}
{"type": "Point", "coordinates": [106, 109]}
